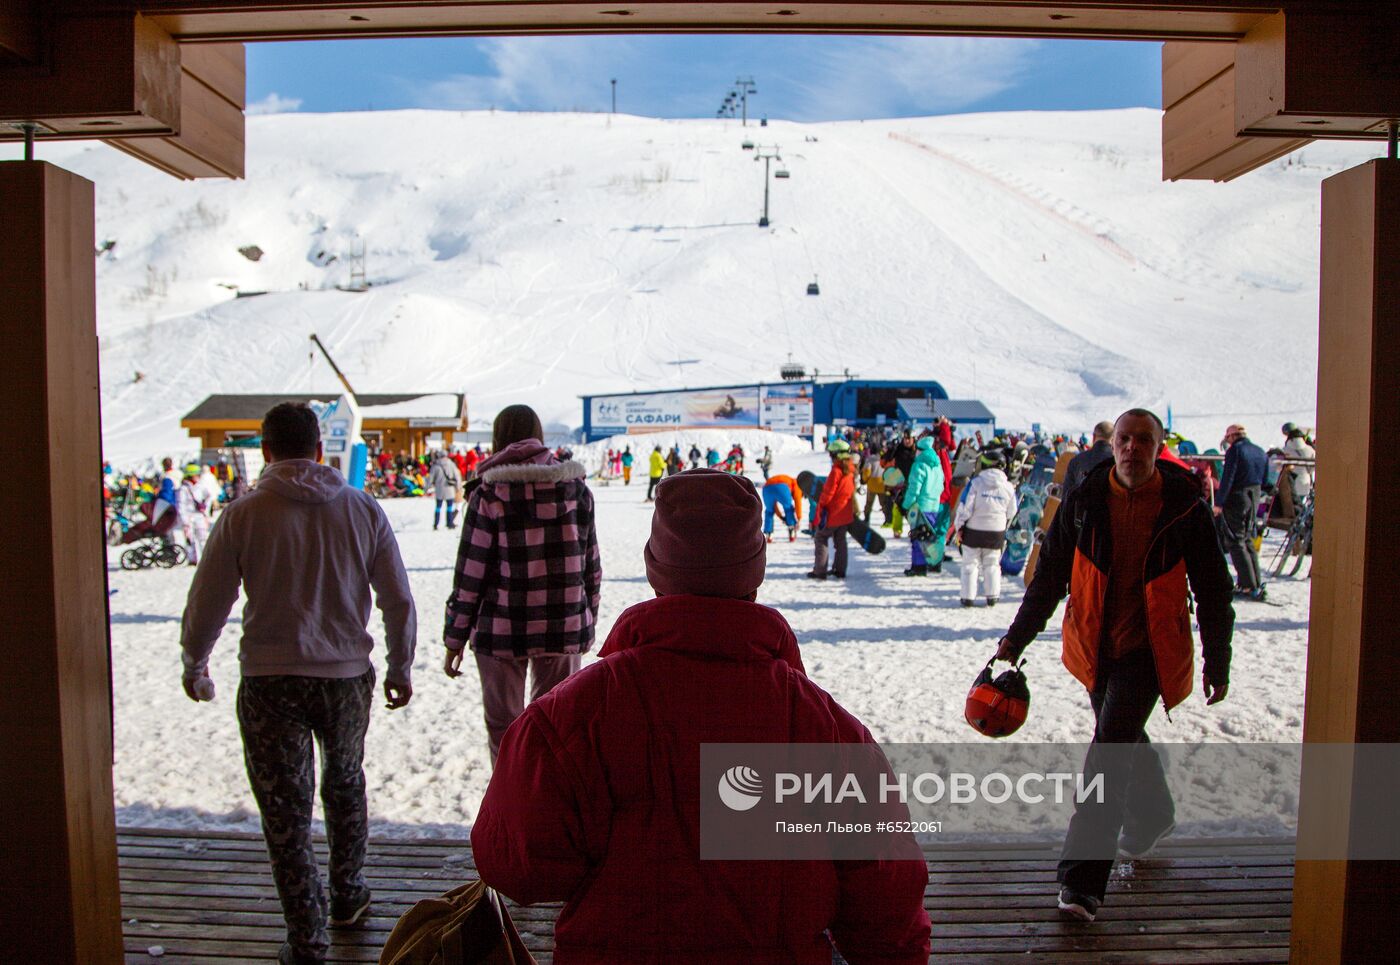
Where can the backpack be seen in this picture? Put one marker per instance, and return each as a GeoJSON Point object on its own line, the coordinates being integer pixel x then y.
{"type": "Point", "coordinates": [467, 926]}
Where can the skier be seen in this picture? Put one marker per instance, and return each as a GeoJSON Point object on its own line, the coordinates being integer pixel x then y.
{"type": "Point", "coordinates": [656, 468]}
{"type": "Point", "coordinates": [1237, 507]}
{"type": "Point", "coordinates": [920, 503]}
{"type": "Point", "coordinates": [447, 484]}
{"type": "Point", "coordinates": [194, 505]}
{"type": "Point", "coordinates": [781, 492]}
{"type": "Point", "coordinates": [980, 527]}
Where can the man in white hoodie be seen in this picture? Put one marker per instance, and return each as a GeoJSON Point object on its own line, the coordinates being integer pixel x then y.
{"type": "Point", "coordinates": [980, 524]}
{"type": "Point", "coordinates": [307, 550]}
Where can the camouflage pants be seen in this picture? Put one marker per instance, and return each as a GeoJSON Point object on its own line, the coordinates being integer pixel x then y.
{"type": "Point", "coordinates": [278, 717]}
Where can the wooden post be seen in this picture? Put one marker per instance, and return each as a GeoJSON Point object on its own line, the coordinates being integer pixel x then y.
{"type": "Point", "coordinates": [59, 900]}
{"type": "Point", "coordinates": [1343, 911]}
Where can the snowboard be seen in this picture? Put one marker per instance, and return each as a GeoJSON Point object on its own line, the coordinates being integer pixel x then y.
{"type": "Point", "coordinates": [1047, 516]}
{"type": "Point", "coordinates": [1031, 499]}
{"type": "Point", "coordinates": [868, 538]}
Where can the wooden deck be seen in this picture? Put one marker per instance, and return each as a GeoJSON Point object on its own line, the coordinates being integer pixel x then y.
{"type": "Point", "coordinates": [208, 898]}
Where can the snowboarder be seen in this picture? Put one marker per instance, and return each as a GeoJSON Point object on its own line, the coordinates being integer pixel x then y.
{"type": "Point", "coordinates": [834, 512]}
{"type": "Point", "coordinates": [920, 504]}
{"type": "Point", "coordinates": [781, 492]}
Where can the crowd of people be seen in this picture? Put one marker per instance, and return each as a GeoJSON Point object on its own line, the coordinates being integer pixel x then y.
{"type": "Point", "coordinates": [173, 502]}
{"type": "Point", "coordinates": [594, 796]}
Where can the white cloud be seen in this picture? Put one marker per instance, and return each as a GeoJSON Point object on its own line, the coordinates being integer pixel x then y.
{"type": "Point", "coordinates": [533, 73]}
{"type": "Point", "coordinates": [274, 103]}
{"type": "Point", "coordinates": [884, 77]}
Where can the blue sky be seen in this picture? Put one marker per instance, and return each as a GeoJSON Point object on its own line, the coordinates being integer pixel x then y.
{"type": "Point", "coordinates": [798, 77]}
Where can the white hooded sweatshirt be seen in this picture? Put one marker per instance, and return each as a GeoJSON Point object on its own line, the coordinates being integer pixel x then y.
{"type": "Point", "coordinates": [307, 549]}
{"type": "Point", "coordinates": [990, 503]}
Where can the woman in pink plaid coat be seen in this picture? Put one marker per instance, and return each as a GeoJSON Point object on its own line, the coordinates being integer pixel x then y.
{"type": "Point", "coordinates": [525, 590]}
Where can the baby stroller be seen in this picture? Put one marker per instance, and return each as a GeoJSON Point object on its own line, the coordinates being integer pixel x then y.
{"type": "Point", "coordinates": [153, 546]}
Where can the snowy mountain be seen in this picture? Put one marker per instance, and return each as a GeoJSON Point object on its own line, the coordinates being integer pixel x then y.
{"type": "Point", "coordinates": [1035, 261]}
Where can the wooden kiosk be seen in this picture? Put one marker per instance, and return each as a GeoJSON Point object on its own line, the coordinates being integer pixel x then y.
{"type": "Point", "coordinates": [1244, 82]}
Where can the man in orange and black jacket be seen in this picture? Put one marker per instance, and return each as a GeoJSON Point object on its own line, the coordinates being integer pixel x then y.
{"type": "Point", "coordinates": [1124, 546]}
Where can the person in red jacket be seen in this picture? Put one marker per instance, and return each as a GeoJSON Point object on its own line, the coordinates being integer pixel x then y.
{"type": "Point", "coordinates": [835, 512]}
{"type": "Point", "coordinates": [595, 800]}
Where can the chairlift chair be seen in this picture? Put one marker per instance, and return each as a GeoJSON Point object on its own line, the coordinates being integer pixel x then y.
{"type": "Point", "coordinates": [747, 145]}
{"type": "Point", "coordinates": [781, 173]}
{"type": "Point", "coordinates": [813, 288]}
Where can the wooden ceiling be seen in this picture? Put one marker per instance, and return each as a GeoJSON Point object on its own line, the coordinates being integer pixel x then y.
{"type": "Point", "coordinates": [249, 20]}
{"type": "Point", "coordinates": [1244, 81]}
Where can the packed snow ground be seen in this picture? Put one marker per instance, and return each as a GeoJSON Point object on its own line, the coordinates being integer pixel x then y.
{"type": "Point", "coordinates": [1033, 260]}
{"type": "Point", "coordinates": [897, 652]}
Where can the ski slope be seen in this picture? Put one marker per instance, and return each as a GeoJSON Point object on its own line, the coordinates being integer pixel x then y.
{"type": "Point", "coordinates": [1033, 260]}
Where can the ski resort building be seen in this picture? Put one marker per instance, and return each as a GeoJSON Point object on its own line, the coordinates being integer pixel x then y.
{"type": "Point", "coordinates": [794, 407]}
{"type": "Point", "coordinates": [414, 423]}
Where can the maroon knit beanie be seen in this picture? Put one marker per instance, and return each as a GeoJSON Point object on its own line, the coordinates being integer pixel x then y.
{"type": "Point", "coordinates": [706, 535]}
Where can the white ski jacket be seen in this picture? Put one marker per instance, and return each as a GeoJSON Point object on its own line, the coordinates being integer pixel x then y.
{"type": "Point", "coordinates": [307, 550]}
{"type": "Point", "coordinates": [990, 504]}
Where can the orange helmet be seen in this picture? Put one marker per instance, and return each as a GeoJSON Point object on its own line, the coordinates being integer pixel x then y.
{"type": "Point", "coordinates": [998, 707]}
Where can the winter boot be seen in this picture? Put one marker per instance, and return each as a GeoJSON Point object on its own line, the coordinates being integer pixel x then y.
{"type": "Point", "coordinates": [792, 535]}
{"type": "Point", "coordinates": [768, 537]}
{"type": "Point", "coordinates": [937, 567]}
{"type": "Point", "coordinates": [991, 601]}
{"type": "Point", "coordinates": [920, 570]}
{"type": "Point", "coordinates": [966, 603]}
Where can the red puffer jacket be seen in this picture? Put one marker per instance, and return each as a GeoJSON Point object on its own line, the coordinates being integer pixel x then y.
{"type": "Point", "coordinates": [595, 802]}
{"type": "Point", "coordinates": [836, 496]}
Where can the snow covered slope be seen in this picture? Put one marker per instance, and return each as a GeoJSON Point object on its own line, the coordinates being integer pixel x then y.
{"type": "Point", "coordinates": [1035, 261]}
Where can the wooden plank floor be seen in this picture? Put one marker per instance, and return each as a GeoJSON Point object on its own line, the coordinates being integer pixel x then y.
{"type": "Point", "coordinates": [208, 898]}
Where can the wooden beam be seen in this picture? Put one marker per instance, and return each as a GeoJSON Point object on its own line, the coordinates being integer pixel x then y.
{"type": "Point", "coordinates": [248, 20]}
{"type": "Point", "coordinates": [1199, 140]}
{"type": "Point", "coordinates": [58, 891]}
{"type": "Point", "coordinates": [101, 75]}
{"type": "Point", "coordinates": [211, 140]}
{"type": "Point", "coordinates": [19, 32]}
{"type": "Point", "coordinates": [1320, 74]}
{"type": "Point", "coordinates": [1343, 911]}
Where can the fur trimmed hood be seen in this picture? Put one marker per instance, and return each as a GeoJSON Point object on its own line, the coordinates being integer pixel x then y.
{"type": "Point", "coordinates": [533, 472]}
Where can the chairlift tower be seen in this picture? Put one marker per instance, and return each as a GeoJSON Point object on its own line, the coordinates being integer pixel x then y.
{"type": "Point", "coordinates": [745, 86]}
{"type": "Point", "coordinates": [767, 155]}
{"type": "Point", "coordinates": [358, 281]}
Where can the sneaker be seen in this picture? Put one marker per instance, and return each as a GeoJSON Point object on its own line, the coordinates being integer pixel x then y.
{"type": "Point", "coordinates": [816, 576]}
{"type": "Point", "coordinates": [1077, 905]}
{"type": "Point", "coordinates": [1133, 847]}
{"type": "Point", "coordinates": [349, 909]}
{"type": "Point", "coordinates": [965, 602]}
{"type": "Point", "coordinates": [991, 601]}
